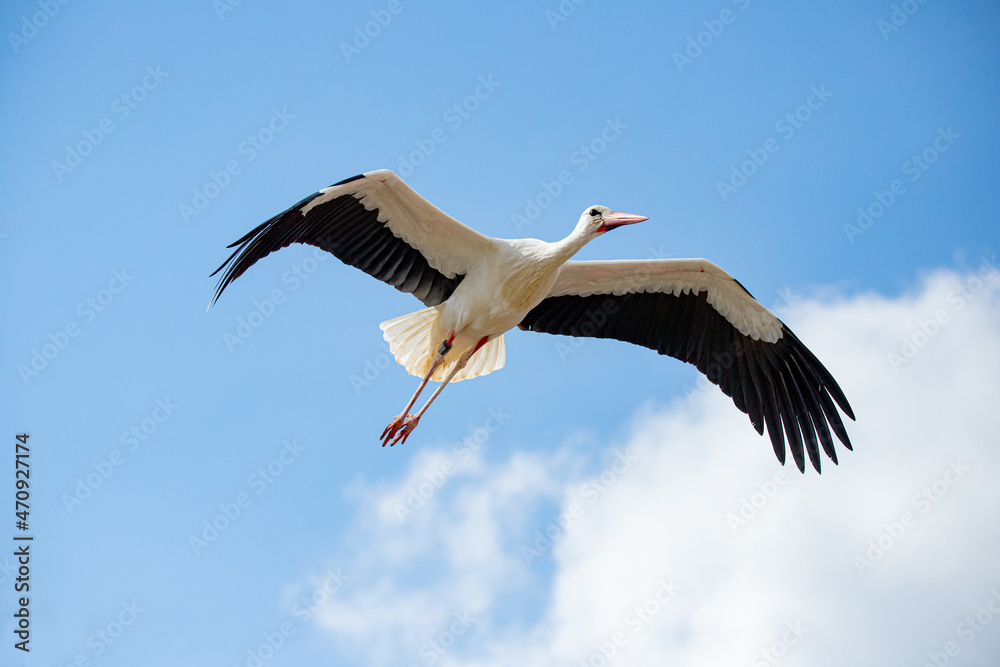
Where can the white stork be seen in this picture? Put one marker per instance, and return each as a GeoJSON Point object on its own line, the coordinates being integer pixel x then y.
{"type": "Point", "coordinates": [476, 288]}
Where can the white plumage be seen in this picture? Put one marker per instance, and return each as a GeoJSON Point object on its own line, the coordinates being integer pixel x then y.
{"type": "Point", "coordinates": [476, 288]}
{"type": "Point", "coordinates": [672, 276]}
{"type": "Point", "coordinates": [412, 344]}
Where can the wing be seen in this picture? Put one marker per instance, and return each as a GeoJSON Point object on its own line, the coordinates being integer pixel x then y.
{"type": "Point", "coordinates": [378, 224]}
{"type": "Point", "coordinates": [694, 311]}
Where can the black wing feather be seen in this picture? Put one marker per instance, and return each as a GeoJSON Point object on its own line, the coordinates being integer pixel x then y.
{"type": "Point", "coordinates": [343, 227]}
{"type": "Point", "coordinates": [781, 386]}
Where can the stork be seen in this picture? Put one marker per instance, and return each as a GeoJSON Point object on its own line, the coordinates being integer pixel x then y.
{"type": "Point", "coordinates": [476, 288]}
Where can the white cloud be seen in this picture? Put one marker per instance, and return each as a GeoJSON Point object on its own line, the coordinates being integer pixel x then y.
{"type": "Point", "coordinates": [789, 580]}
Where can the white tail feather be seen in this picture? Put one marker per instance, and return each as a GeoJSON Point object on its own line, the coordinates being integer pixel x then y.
{"type": "Point", "coordinates": [409, 338]}
{"type": "Point", "coordinates": [490, 357]}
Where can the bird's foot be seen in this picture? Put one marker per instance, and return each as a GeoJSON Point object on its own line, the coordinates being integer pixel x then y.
{"type": "Point", "coordinates": [399, 429]}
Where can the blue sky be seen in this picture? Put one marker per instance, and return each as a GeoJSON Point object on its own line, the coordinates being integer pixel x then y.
{"type": "Point", "coordinates": [141, 139]}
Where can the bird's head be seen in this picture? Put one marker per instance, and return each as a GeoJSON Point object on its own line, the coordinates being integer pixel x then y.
{"type": "Point", "coordinates": [601, 219]}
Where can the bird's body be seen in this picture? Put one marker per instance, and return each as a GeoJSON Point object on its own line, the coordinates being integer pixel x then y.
{"type": "Point", "coordinates": [512, 280]}
{"type": "Point", "coordinates": [476, 288]}
{"type": "Point", "coordinates": [514, 277]}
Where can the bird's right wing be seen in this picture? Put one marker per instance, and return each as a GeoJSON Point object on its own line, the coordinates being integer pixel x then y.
{"type": "Point", "coordinates": [694, 311]}
{"type": "Point", "coordinates": [377, 223]}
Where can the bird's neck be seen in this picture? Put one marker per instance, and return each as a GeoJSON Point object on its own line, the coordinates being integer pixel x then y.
{"type": "Point", "coordinates": [570, 245]}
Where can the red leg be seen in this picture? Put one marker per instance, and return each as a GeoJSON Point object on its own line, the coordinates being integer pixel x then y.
{"type": "Point", "coordinates": [410, 421]}
{"type": "Point", "coordinates": [399, 420]}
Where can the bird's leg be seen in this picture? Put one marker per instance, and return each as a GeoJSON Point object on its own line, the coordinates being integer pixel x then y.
{"type": "Point", "coordinates": [398, 421]}
{"type": "Point", "coordinates": [410, 421]}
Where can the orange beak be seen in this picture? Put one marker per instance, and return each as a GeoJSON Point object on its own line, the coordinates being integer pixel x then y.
{"type": "Point", "coordinates": [614, 219]}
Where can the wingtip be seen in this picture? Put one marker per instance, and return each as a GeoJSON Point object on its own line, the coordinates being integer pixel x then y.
{"type": "Point", "coordinates": [215, 298]}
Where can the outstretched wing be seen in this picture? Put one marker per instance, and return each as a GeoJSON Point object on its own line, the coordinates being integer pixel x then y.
{"type": "Point", "coordinates": [694, 311]}
{"type": "Point", "coordinates": [378, 224]}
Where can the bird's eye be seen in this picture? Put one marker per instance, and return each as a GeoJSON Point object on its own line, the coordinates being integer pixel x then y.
{"type": "Point", "coordinates": [594, 212]}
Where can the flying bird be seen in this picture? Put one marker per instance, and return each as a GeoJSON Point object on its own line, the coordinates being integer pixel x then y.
{"type": "Point", "coordinates": [475, 288]}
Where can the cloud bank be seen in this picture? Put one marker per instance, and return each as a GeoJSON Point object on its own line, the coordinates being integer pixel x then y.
{"type": "Point", "coordinates": [687, 543]}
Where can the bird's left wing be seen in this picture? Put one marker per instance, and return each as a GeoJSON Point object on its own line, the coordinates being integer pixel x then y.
{"type": "Point", "coordinates": [377, 223]}
{"type": "Point", "coordinates": [694, 311]}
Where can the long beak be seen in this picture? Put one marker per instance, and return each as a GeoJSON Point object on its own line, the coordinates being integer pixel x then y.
{"type": "Point", "coordinates": [614, 219]}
